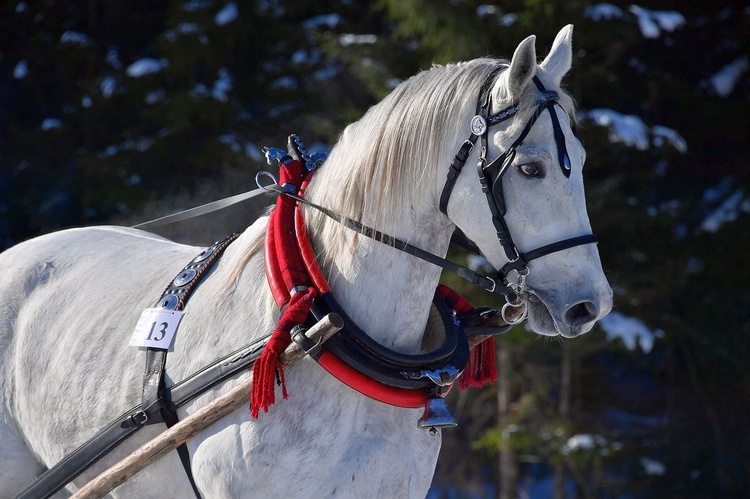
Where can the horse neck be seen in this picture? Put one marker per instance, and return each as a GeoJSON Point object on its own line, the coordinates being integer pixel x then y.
{"type": "Point", "coordinates": [385, 291]}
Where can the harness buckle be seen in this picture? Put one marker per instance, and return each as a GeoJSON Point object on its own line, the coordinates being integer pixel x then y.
{"type": "Point", "coordinates": [136, 420]}
{"type": "Point", "coordinates": [466, 149]}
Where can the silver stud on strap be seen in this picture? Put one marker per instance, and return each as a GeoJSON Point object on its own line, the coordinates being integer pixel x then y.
{"type": "Point", "coordinates": [206, 253]}
{"type": "Point", "coordinates": [478, 125]}
{"type": "Point", "coordinates": [169, 302]}
{"type": "Point", "coordinates": [185, 277]}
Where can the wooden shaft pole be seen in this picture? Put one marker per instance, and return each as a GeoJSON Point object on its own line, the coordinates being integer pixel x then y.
{"type": "Point", "coordinates": [170, 439]}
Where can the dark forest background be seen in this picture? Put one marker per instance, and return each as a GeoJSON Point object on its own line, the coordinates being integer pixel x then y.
{"type": "Point", "coordinates": [122, 111]}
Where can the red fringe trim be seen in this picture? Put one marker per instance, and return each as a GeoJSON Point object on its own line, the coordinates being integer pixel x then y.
{"type": "Point", "coordinates": [481, 369]}
{"type": "Point", "coordinates": [268, 367]}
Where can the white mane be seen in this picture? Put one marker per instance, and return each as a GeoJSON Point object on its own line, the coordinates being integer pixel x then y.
{"type": "Point", "coordinates": [373, 169]}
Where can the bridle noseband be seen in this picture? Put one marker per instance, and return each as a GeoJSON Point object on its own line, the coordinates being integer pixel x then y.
{"type": "Point", "coordinates": [491, 176]}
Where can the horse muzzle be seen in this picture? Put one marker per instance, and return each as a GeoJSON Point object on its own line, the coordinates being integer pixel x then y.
{"type": "Point", "coordinates": [553, 313]}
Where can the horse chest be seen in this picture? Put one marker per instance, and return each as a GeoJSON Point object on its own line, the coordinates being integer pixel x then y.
{"type": "Point", "coordinates": [324, 441]}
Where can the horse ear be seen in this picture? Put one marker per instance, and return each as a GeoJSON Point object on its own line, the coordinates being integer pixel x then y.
{"type": "Point", "coordinates": [557, 63]}
{"type": "Point", "coordinates": [522, 66]}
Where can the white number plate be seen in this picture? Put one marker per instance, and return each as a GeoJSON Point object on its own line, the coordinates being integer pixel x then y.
{"type": "Point", "coordinates": [156, 328]}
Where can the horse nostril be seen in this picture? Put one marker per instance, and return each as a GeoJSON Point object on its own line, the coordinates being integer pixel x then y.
{"type": "Point", "coordinates": [581, 313]}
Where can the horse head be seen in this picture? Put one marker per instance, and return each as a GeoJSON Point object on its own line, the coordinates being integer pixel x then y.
{"type": "Point", "coordinates": [538, 186]}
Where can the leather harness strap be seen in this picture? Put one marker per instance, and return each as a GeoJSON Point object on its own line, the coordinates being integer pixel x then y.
{"type": "Point", "coordinates": [122, 427]}
{"type": "Point", "coordinates": [155, 407]}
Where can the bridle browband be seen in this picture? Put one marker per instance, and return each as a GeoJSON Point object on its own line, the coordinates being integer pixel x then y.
{"type": "Point", "coordinates": [491, 173]}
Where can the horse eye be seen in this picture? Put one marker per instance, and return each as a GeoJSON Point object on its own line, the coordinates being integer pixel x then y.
{"type": "Point", "coordinates": [530, 170]}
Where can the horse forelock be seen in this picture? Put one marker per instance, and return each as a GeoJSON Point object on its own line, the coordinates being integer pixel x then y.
{"type": "Point", "coordinates": [527, 104]}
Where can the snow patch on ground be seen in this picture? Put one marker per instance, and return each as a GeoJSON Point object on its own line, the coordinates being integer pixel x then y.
{"type": "Point", "coordinates": [653, 22]}
{"type": "Point", "coordinates": [146, 66]}
{"type": "Point", "coordinates": [348, 39]}
{"type": "Point", "coordinates": [51, 123]}
{"type": "Point", "coordinates": [74, 38]}
{"type": "Point", "coordinates": [632, 331]}
{"type": "Point", "coordinates": [227, 14]}
{"type": "Point", "coordinates": [583, 441]}
{"type": "Point", "coordinates": [724, 82]}
{"type": "Point", "coordinates": [727, 211]}
{"type": "Point", "coordinates": [327, 20]}
{"type": "Point", "coordinates": [632, 131]}
{"type": "Point", "coordinates": [21, 70]}
{"type": "Point", "coordinates": [652, 466]}
{"type": "Point", "coordinates": [108, 86]}
{"type": "Point", "coordinates": [222, 86]}
{"type": "Point", "coordinates": [602, 12]}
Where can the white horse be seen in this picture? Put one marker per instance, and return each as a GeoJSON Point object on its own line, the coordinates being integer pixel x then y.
{"type": "Point", "coordinates": [69, 301]}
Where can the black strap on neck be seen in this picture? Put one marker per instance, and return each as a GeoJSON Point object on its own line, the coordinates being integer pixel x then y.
{"type": "Point", "coordinates": [487, 283]}
{"type": "Point", "coordinates": [454, 170]}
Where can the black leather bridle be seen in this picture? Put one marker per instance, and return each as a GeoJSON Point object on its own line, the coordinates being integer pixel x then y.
{"type": "Point", "coordinates": [490, 177]}
{"type": "Point", "coordinates": [491, 173]}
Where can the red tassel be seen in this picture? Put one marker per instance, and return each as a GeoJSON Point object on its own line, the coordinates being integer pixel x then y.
{"type": "Point", "coordinates": [481, 368]}
{"type": "Point", "coordinates": [268, 366]}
